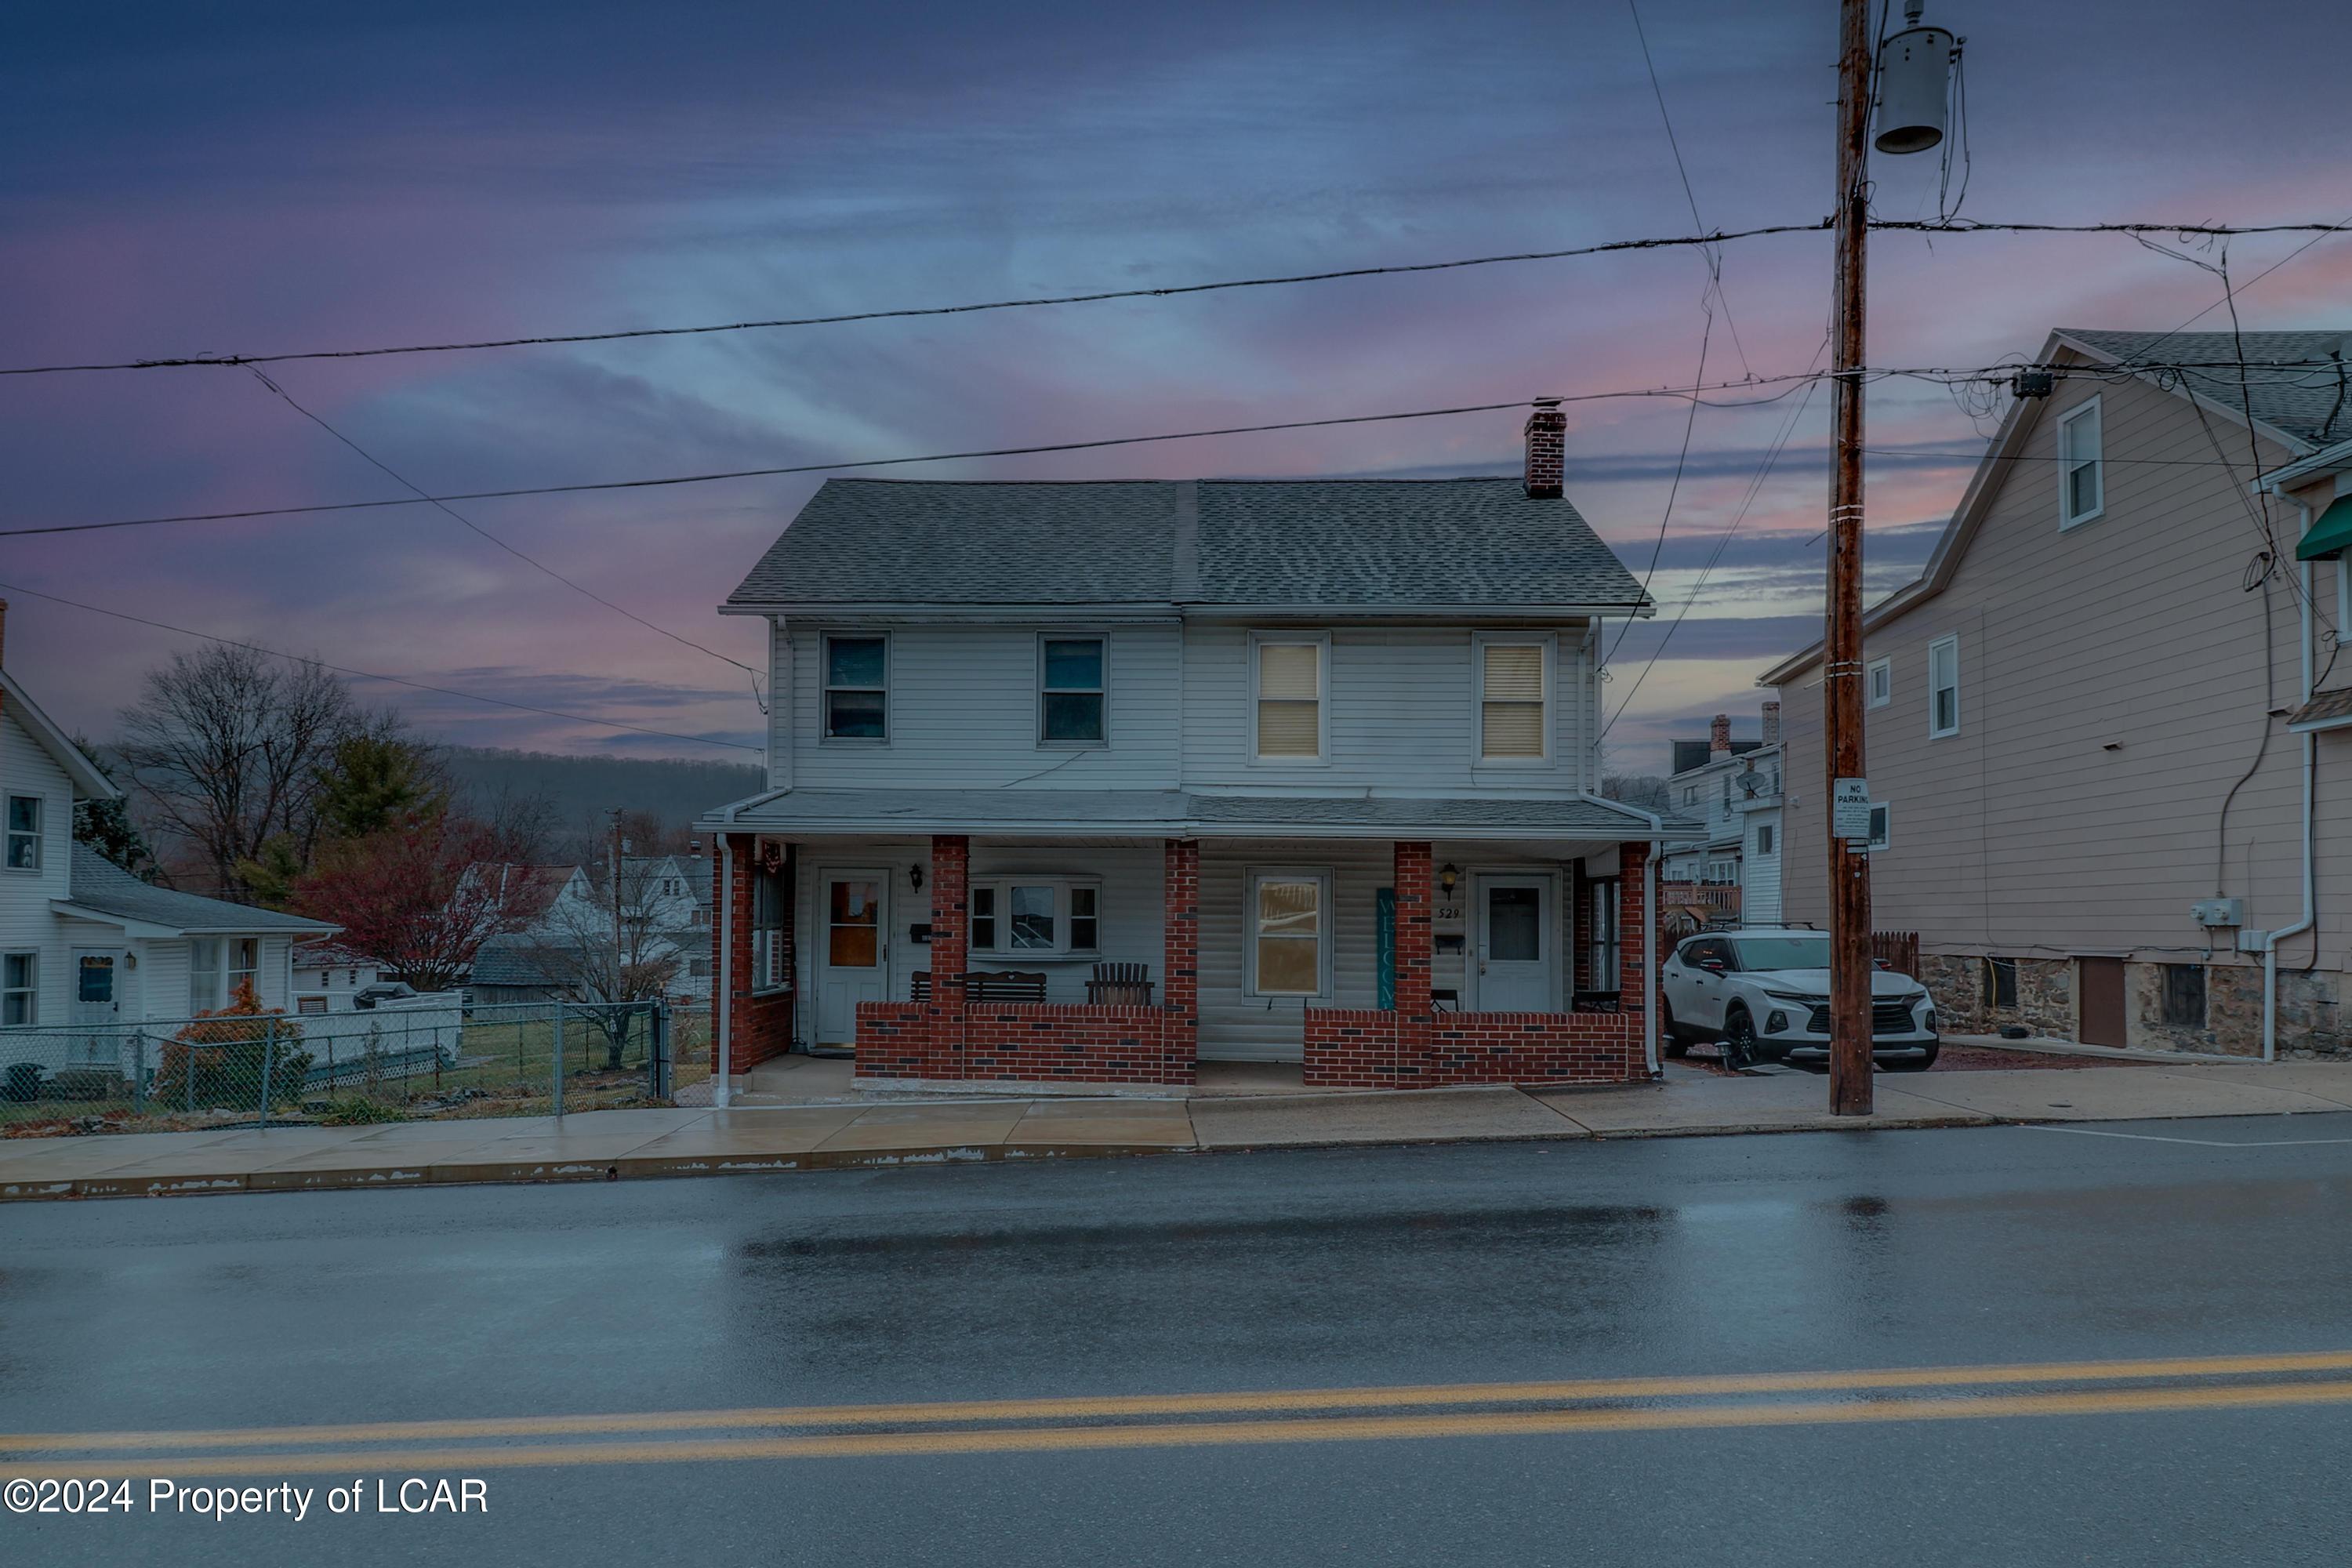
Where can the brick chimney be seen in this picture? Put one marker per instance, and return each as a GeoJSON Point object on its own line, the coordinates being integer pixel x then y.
{"type": "Point", "coordinates": [1547, 432]}
{"type": "Point", "coordinates": [1718, 736]}
{"type": "Point", "coordinates": [1771, 723]}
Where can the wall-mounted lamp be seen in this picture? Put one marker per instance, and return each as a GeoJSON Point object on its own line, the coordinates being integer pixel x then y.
{"type": "Point", "coordinates": [915, 875]}
{"type": "Point", "coordinates": [1447, 875]}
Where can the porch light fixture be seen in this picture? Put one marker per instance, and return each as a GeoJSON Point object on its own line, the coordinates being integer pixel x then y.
{"type": "Point", "coordinates": [1446, 877]}
{"type": "Point", "coordinates": [915, 875]}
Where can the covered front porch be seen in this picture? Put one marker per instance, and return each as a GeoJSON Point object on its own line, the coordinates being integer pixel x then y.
{"type": "Point", "coordinates": [1125, 960]}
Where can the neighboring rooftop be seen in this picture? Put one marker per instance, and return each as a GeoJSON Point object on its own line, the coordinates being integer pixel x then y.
{"type": "Point", "coordinates": [1689, 754]}
{"type": "Point", "coordinates": [103, 887]}
{"type": "Point", "coordinates": [1474, 543]}
{"type": "Point", "coordinates": [2307, 402]}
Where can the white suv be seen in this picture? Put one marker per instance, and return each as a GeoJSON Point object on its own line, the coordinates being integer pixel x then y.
{"type": "Point", "coordinates": [1764, 993]}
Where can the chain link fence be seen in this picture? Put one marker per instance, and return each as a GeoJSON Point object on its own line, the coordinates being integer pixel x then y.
{"type": "Point", "coordinates": [427, 1057]}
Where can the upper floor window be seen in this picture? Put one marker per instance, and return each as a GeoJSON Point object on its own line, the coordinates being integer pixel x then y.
{"type": "Point", "coordinates": [1036, 916]}
{"type": "Point", "coordinates": [1289, 680]}
{"type": "Point", "coordinates": [217, 966]}
{"type": "Point", "coordinates": [1510, 700]}
{"type": "Point", "coordinates": [24, 833]}
{"type": "Point", "coordinates": [1880, 689]}
{"type": "Point", "coordinates": [1070, 690]}
{"type": "Point", "coordinates": [2081, 475]}
{"type": "Point", "coordinates": [858, 688]}
{"type": "Point", "coordinates": [1943, 687]}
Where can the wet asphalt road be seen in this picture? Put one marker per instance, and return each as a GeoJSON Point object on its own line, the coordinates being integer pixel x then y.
{"type": "Point", "coordinates": [1242, 1272]}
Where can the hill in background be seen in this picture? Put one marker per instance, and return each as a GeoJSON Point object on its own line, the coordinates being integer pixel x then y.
{"type": "Point", "coordinates": [583, 790]}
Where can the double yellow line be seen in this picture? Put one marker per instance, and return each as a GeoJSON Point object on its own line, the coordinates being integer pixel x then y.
{"type": "Point", "coordinates": [1294, 1416]}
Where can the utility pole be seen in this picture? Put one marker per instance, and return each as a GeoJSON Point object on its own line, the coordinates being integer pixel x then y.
{"type": "Point", "coordinates": [1842, 693]}
{"type": "Point", "coordinates": [618, 850]}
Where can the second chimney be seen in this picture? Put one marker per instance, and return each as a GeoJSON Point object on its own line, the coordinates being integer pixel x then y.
{"type": "Point", "coordinates": [1718, 736]}
{"type": "Point", "coordinates": [1771, 723]}
{"type": "Point", "coordinates": [1547, 450]}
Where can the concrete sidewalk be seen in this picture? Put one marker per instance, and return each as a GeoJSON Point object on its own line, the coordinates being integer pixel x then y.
{"type": "Point", "coordinates": [608, 1145]}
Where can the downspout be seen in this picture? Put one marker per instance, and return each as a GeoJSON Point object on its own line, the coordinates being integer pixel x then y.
{"type": "Point", "coordinates": [719, 1093]}
{"type": "Point", "coordinates": [1650, 960]}
{"type": "Point", "coordinates": [2310, 781]}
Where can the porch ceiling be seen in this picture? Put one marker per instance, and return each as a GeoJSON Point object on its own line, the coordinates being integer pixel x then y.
{"type": "Point", "coordinates": [1174, 814]}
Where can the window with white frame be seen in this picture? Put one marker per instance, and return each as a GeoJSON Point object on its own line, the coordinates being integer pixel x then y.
{"type": "Point", "coordinates": [1880, 684]}
{"type": "Point", "coordinates": [1036, 917]}
{"type": "Point", "coordinates": [216, 967]}
{"type": "Point", "coordinates": [1512, 693]}
{"type": "Point", "coordinates": [2082, 473]}
{"type": "Point", "coordinates": [20, 990]}
{"type": "Point", "coordinates": [856, 688]}
{"type": "Point", "coordinates": [1070, 692]}
{"type": "Point", "coordinates": [769, 970]}
{"type": "Point", "coordinates": [1289, 921]}
{"type": "Point", "coordinates": [1289, 687]}
{"type": "Point", "coordinates": [1765, 838]}
{"type": "Point", "coordinates": [1943, 687]}
{"type": "Point", "coordinates": [1881, 824]}
{"type": "Point", "coordinates": [24, 833]}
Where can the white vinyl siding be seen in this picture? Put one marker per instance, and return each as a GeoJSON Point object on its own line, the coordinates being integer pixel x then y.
{"type": "Point", "coordinates": [2081, 466]}
{"type": "Point", "coordinates": [964, 714]}
{"type": "Point", "coordinates": [1514, 700]}
{"type": "Point", "coordinates": [1288, 702]}
{"type": "Point", "coordinates": [1943, 687]}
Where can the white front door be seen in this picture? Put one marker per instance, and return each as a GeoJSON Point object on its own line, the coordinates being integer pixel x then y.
{"type": "Point", "coordinates": [96, 1008]}
{"type": "Point", "coordinates": [1517, 955]}
{"type": "Point", "coordinates": [853, 954]}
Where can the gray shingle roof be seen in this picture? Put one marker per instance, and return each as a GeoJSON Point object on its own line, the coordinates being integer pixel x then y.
{"type": "Point", "coordinates": [512, 960]}
{"type": "Point", "coordinates": [1368, 543]}
{"type": "Point", "coordinates": [2299, 401]}
{"type": "Point", "coordinates": [1170, 812]}
{"type": "Point", "coordinates": [100, 885]}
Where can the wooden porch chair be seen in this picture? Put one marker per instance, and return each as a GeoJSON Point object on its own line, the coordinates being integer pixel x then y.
{"type": "Point", "coordinates": [1120, 985]}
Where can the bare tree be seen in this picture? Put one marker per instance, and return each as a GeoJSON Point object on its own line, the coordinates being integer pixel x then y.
{"type": "Point", "coordinates": [625, 942]}
{"type": "Point", "coordinates": [228, 748]}
{"type": "Point", "coordinates": [1648, 791]}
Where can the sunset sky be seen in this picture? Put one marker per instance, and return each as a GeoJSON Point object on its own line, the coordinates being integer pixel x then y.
{"type": "Point", "coordinates": [185, 180]}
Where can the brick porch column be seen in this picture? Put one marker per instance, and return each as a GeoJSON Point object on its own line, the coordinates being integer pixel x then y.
{"type": "Point", "coordinates": [950, 934]}
{"type": "Point", "coordinates": [1415, 1012]}
{"type": "Point", "coordinates": [1179, 971]}
{"type": "Point", "coordinates": [1637, 923]}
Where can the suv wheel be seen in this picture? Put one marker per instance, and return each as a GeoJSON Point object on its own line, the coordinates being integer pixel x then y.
{"type": "Point", "coordinates": [1738, 1041]}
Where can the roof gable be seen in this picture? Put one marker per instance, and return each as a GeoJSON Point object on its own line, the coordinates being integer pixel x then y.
{"type": "Point", "coordinates": [99, 886]}
{"type": "Point", "coordinates": [89, 783]}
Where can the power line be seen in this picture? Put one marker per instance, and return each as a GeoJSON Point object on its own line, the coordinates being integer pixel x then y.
{"type": "Point", "coordinates": [1953, 225]}
{"type": "Point", "coordinates": [932, 457]}
{"type": "Point", "coordinates": [530, 560]}
{"type": "Point", "coordinates": [369, 674]}
{"type": "Point", "coordinates": [903, 313]}
{"type": "Point", "coordinates": [1674, 489]}
{"type": "Point", "coordinates": [1786, 383]}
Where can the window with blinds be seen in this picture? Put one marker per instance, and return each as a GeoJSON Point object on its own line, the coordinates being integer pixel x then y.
{"type": "Point", "coordinates": [1511, 701]}
{"type": "Point", "coordinates": [1290, 699]}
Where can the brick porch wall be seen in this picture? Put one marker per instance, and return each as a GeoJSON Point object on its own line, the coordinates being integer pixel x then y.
{"type": "Point", "coordinates": [950, 1038]}
{"type": "Point", "coordinates": [1416, 1047]}
{"type": "Point", "coordinates": [761, 1026]}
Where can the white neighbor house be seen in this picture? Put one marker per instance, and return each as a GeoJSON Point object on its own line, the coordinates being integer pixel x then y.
{"type": "Point", "coordinates": [87, 950]}
{"type": "Point", "coordinates": [1733, 789]}
{"type": "Point", "coordinates": [1311, 762]}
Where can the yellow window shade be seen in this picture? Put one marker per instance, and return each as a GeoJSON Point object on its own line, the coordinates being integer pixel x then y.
{"type": "Point", "coordinates": [1514, 672]}
{"type": "Point", "coordinates": [1289, 729]}
{"type": "Point", "coordinates": [1512, 730]}
{"type": "Point", "coordinates": [1289, 670]}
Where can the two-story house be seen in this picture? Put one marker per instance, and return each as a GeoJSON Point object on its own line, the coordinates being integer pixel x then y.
{"type": "Point", "coordinates": [1088, 782]}
{"type": "Point", "coordinates": [2104, 728]}
{"type": "Point", "coordinates": [87, 951]}
{"type": "Point", "coordinates": [1732, 789]}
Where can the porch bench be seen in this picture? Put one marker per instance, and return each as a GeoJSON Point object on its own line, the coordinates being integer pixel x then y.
{"type": "Point", "coordinates": [986, 985]}
{"type": "Point", "coordinates": [1120, 985]}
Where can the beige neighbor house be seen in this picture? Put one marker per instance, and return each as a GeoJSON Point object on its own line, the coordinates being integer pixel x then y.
{"type": "Point", "coordinates": [2112, 790]}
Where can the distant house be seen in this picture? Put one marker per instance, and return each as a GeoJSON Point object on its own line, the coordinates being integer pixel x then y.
{"type": "Point", "coordinates": [329, 976]}
{"type": "Point", "coordinates": [2105, 727]}
{"type": "Point", "coordinates": [567, 917]}
{"type": "Point", "coordinates": [1732, 787]}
